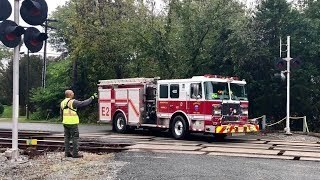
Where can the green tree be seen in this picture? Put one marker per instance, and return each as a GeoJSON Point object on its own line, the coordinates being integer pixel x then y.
{"type": "Point", "coordinates": [4, 57]}
{"type": "Point", "coordinates": [33, 78]}
{"type": "Point", "coordinates": [47, 101]}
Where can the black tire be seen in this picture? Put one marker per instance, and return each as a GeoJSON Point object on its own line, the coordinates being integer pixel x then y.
{"type": "Point", "coordinates": [120, 123]}
{"type": "Point", "coordinates": [179, 128]}
{"type": "Point", "coordinates": [220, 137]}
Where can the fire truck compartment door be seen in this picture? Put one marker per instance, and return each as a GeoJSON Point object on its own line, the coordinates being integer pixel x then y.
{"type": "Point", "coordinates": [105, 104]}
{"type": "Point", "coordinates": [134, 103]}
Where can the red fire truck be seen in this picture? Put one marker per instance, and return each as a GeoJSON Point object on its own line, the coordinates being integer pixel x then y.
{"type": "Point", "coordinates": [208, 104]}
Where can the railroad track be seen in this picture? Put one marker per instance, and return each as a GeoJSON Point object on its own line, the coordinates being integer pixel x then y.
{"type": "Point", "coordinates": [47, 142]}
{"type": "Point", "coordinates": [252, 148]}
{"type": "Point", "coordinates": [112, 142]}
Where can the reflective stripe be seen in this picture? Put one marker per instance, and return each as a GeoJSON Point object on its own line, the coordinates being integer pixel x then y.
{"type": "Point", "coordinates": [237, 128]}
{"type": "Point", "coordinates": [69, 116]}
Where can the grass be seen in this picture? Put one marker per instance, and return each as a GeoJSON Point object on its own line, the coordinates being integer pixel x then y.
{"type": "Point", "coordinates": [23, 119]}
{"type": "Point", "coordinates": [7, 114]}
{"type": "Point", "coordinates": [7, 117]}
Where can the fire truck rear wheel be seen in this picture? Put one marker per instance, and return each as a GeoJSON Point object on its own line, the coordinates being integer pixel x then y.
{"type": "Point", "coordinates": [179, 127]}
{"type": "Point", "coordinates": [120, 124]}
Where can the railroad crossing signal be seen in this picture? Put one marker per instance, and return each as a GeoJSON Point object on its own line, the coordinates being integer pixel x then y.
{"type": "Point", "coordinates": [296, 62]}
{"type": "Point", "coordinates": [6, 9]}
{"type": "Point", "coordinates": [10, 33]}
{"type": "Point", "coordinates": [281, 64]}
{"type": "Point", "coordinates": [33, 39]}
{"type": "Point", "coordinates": [33, 12]}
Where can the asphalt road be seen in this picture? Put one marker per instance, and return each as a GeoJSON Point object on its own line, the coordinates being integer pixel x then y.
{"type": "Point", "coordinates": [148, 166]}
{"type": "Point", "coordinates": [58, 128]}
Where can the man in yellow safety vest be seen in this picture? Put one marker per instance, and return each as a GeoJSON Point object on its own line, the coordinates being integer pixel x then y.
{"type": "Point", "coordinates": [71, 120]}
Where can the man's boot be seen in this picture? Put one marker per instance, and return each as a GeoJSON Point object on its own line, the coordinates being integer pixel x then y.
{"type": "Point", "coordinates": [68, 154]}
{"type": "Point", "coordinates": [78, 156]}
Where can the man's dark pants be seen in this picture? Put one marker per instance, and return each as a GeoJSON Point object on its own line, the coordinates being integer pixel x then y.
{"type": "Point", "coordinates": [71, 132]}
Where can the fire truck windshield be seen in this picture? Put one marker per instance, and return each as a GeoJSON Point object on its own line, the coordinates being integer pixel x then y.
{"type": "Point", "coordinates": [238, 92]}
{"type": "Point", "coordinates": [216, 90]}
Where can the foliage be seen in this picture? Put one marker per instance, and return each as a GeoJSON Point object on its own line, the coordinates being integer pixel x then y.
{"type": "Point", "coordinates": [125, 38]}
{"type": "Point", "coordinates": [1, 109]}
{"type": "Point", "coordinates": [47, 101]}
{"type": "Point", "coordinates": [7, 112]}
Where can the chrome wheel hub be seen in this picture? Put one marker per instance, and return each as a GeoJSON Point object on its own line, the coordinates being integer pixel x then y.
{"type": "Point", "coordinates": [178, 128]}
{"type": "Point", "coordinates": [120, 123]}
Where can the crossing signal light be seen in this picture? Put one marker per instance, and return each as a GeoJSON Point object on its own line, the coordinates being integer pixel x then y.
{"type": "Point", "coordinates": [10, 33]}
{"type": "Point", "coordinates": [33, 39]}
{"type": "Point", "coordinates": [5, 9]}
{"type": "Point", "coordinates": [281, 64]}
{"type": "Point", "coordinates": [296, 62]}
{"type": "Point", "coordinates": [34, 12]}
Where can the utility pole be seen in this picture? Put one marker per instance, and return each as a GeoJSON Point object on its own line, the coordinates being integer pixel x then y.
{"type": "Point", "coordinates": [44, 67]}
{"type": "Point", "coordinates": [288, 59]}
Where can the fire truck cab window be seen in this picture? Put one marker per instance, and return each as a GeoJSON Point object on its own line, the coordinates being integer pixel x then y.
{"type": "Point", "coordinates": [164, 91]}
{"type": "Point", "coordinates": [216, 90]}
{"type": "Point", "coordinates": [195, 91]}
{"type": "Point", "coordinates": [174, 91]}
{"type": "Point", "coordinates": [238, 92]}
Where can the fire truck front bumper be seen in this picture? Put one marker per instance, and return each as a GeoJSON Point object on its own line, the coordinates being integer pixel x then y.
{"type": "Point", "coordinates": [233, 129]}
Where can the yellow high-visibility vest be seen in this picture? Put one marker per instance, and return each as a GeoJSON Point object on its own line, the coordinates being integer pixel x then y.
{"type": "Point", "coordinates": [70, 115]}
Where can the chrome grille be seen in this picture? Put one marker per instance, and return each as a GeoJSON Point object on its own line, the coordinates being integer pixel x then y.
{"type": "Point", "coordinates": [231, 112]}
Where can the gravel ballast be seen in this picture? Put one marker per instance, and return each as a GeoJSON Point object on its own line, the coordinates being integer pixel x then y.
{"type": "Point", "coordinates": [56, 166]}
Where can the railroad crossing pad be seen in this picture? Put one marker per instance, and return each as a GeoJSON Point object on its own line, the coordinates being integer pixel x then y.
{"type": "Point", "coordinates": [164, 147]}
{"type": "Point", "coordinates": [168, 151]}
{"type": "Point", "coordinates": [302, 154]}
{"type": "Point", "coordinates": [250, 155]}
{"type": "Point", "coordinates": [240, 150]}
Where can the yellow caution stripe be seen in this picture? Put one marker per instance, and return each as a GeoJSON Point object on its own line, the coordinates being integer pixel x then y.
{"type": "Point", "coordinates": [237, 128]}
{"type": "Point", "coordinates": [31, 141]}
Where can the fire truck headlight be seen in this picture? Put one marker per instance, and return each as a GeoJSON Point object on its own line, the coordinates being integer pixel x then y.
{"type": "Point", "coordinates": [253, 121]}
{"type": "Point", "coordinates": [217, 112]}
{"type": "Point", "coordinates": [216, 109]}
{"type": "Point", "coordinates": [245, 112]}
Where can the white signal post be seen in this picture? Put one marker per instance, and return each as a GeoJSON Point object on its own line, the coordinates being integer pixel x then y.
{"type": "Point", "coordinates": [15, 103]}
{"type": "Point", "coordinates": [288, 59]}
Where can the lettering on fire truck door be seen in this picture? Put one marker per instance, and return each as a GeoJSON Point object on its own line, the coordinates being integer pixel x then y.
{"type": "Point", "coordinates": [105, 104]}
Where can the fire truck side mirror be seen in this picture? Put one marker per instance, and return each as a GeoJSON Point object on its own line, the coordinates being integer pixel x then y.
{"type": "Point", "coordinates": [195, 91]}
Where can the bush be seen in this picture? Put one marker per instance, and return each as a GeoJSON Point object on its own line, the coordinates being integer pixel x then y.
{"type": "Point", "coordinates": [1, 109]}
{"type": "Point", "coordinates": [38, 115]}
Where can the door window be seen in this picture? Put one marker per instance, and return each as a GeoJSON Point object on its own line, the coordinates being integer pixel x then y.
{"type": "Point", "coordinates": [164, 91]}
{"type": "Point", "coordinates": [174, 91]}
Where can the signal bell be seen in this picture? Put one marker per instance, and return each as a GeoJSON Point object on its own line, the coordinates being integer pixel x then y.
{"type": "Point", "coordinates": [33, 39]}
{"type": "Point", "coordinates": [6, 9]}
{"type": "Point", "coordinates": [34, 12]}
{"type": "Point", "coordinates": [10, 33]}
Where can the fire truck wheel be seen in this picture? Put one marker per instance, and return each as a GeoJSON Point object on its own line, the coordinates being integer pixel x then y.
{"type": "Point", "coordinates": [179, 127]}
{"type": "Point", "coordinates": [220, 137]}
{"type": "Point", "coordinates": [120, 123]}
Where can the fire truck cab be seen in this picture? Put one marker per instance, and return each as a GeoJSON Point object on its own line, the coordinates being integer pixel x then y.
{"type": "Point", "coordinates": [207, 104]}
